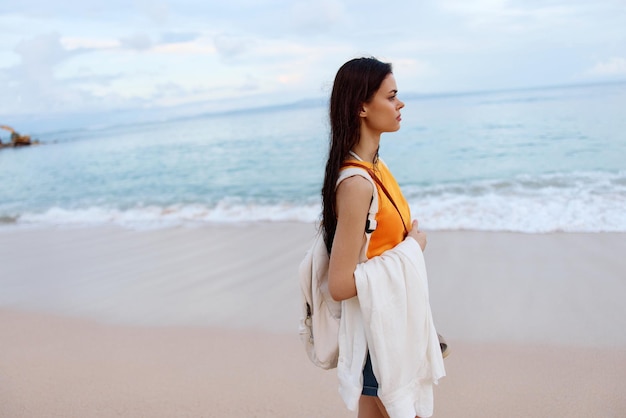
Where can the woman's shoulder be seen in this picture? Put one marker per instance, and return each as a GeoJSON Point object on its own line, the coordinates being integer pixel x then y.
{"type": "Point", "coordinates": [354, 196]}
{"type": "Point", "coordinates": [355, 185]}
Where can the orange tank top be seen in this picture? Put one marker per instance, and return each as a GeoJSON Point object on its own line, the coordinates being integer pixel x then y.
{"type": "Point", "coordinates": [389, 230]}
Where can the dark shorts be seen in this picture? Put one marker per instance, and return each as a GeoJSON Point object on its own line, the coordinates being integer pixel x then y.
{"type": "Point", "coordinates": [370, 384]}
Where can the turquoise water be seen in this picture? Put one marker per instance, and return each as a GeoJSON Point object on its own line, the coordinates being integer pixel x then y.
{"type": "Point", "coordinates": [532, 161]}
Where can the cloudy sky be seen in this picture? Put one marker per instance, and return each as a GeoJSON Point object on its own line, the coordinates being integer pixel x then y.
{"type": "Point", "coordinates": [71, 57]}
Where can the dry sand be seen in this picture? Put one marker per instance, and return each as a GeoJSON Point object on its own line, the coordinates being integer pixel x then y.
{"type": "Point", "coordinates": [101, 322]}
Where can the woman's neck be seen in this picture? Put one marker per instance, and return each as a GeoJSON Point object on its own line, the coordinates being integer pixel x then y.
{"type": "Point", "coordinates": [367, 147]}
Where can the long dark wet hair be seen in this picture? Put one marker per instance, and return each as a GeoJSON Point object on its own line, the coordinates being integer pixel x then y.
{"type": "Point", "coordinates": [356, 83]}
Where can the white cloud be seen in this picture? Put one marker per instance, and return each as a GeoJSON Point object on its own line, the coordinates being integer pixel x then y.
{"type": "Point", "coordinates": [250, 83]}
{"type": "Point", "coordinates": [156, 10]}
{"type": "Point", "coordinates": [506, 16]}
{"type": "Point", "coordinates": [413, 68]}
{"type": "Point", "coordinates": [196, 47]}
{"type": "Point", "coordinates": [230, 46]}
{"type": "Point", "coordinates": [313, 17]}
{"type": "Point", "coordinates": [137, 42]}
{"type": "Point", "coordinates": [43, 51]}
{"type": "Point", "coordinates": [615, 66]}
{"type": "Point", "coordinates": [73, 54]}
{"type": "Point", "coordinates": [38, 83]}
{"type": "Point", "coordinates": [291, 78]}
{"type": "Point", "coordinates": [71, 43]}
{"type": "Point", "coordinates": [474, 6]}
{"type": "Point", "coordinates": [178, 37]}
{"type": "Point", "coordinates": [32, 80]}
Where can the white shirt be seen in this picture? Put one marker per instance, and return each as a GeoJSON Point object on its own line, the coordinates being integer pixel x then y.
{"type": "Point", "coordinates": [391, 317]}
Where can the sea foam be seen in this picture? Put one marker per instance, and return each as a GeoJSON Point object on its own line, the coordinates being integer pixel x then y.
{"type": "Point", "coordinates": [580, 202]}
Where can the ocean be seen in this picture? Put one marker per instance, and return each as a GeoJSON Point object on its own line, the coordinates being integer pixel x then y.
{"type": "Point", "coordinates": [535, 161]}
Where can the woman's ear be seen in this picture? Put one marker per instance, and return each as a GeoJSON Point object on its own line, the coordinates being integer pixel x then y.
{"type": "Point", "coordinates": [363, 112]}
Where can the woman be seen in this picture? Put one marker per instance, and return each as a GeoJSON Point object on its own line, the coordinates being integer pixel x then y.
{"type": "Point", "coordinates": [363, 105]}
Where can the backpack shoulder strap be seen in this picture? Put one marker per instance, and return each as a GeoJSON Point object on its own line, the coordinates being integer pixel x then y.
{"type": "Point", "coordinates": [382, 187]}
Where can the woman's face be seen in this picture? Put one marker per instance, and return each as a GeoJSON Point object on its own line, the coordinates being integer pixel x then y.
{"type": "Point", "coordinates": [382, 113]}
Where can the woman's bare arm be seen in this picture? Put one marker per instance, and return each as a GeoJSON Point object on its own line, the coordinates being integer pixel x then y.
{"type": "Point", "coordinates": [354, 195]}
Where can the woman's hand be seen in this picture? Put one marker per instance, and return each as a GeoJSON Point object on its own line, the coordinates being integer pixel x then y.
{"type": "Point", "coordinates": [418, 235]}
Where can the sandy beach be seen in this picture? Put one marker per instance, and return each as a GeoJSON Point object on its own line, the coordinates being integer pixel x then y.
{"type": "Point", "coordinates": [202, 322]}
